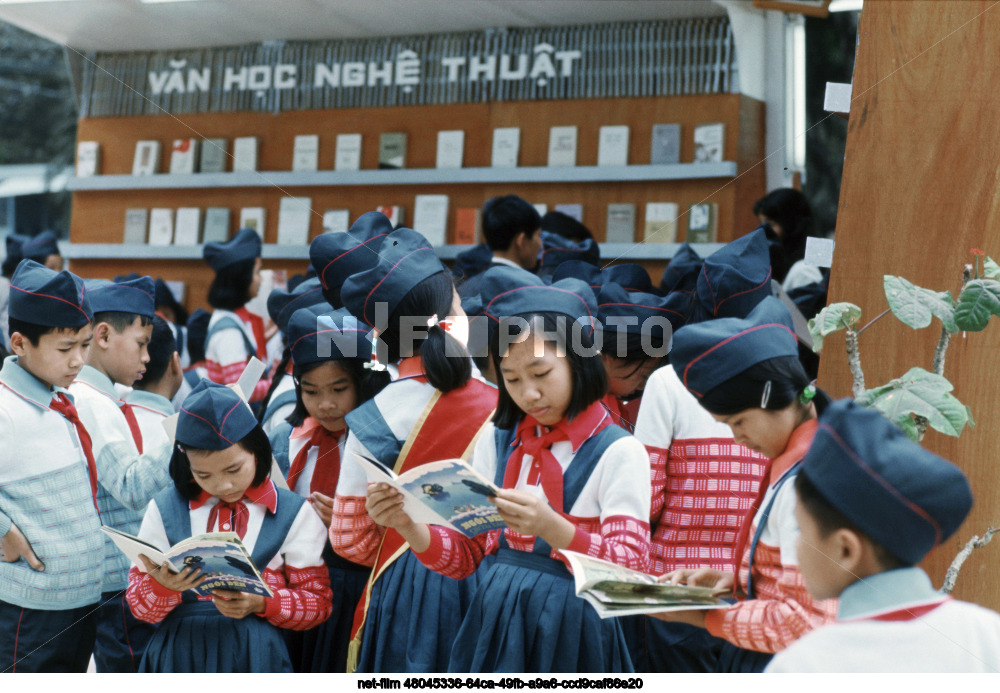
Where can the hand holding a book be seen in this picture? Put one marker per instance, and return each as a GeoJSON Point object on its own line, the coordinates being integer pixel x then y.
{"type": "Point", "coordinates": [385, 507]}
{"type": "Point", "coordinates": [15, 546]}
{"type": "Point", "coordinates": [719, 580]}
{"type": "Point", "coordinates": [187, 579]}
{"type": "Point", "coordinates": [526, 513]}
{"type": "Point", "coordinates": [238, 604]}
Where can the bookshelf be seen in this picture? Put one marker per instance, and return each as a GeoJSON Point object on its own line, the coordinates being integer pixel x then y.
{"type": "Point", "coordinates": [100, 202]}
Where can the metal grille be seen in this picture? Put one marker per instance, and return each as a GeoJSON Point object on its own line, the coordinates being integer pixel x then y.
{"type": "Point", "coordinates": [695, 56]}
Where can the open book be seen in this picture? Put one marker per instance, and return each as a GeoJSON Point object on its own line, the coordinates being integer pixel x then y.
{"type": "Point", "coordinates": [448, 493]}
{"type": "Point", "coordinates": [616, 591]}
{"type": "Point", "coordinates": [220, 555]}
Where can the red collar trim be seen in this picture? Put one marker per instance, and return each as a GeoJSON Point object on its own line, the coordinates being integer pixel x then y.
{"type": "Point", "coordinates": [579, 430]}
{"type": "Point", "coordinates": [907, 613]}
{"type": "Point", "coordinates": [266, 494]}
{"type": "Point", "coordinates": [795, 450]}
{"type": "Point", "coordinates": [410, 367]}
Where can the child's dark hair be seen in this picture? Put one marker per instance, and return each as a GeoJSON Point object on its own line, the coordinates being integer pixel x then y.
{"type": "Point", "coordinates": [230, 289]}
{"type": "Point", "coordinates": [367, 384]}
{"type": "Point", "coordinates": [590, 381]}
{"type": "Point", "coordinates": [828, 520]}
{"type": "Point", "coordinates": [162, 347]}
{"type": "Point", "coordinates": [446, 362]}
{"type": "Point", "coordinates": [34, 332]}
{"type": "Point", "coordinates": [120, 320]}
{"type": "Point", "coordinates": [503, 218]}
{"type": "Point", "coordinates": [255, 442]}
{"type": "Point", "coordinates": [787, 377]}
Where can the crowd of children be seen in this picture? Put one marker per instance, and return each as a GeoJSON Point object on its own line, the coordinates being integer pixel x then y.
{"type": "Point", "coordinates": [671, 430]}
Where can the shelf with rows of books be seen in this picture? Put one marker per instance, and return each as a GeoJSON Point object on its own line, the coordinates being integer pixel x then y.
{"type": "Point", "coordinates": [597, 159]}
{"type": "Point", "coordinates": [623, 252]}
{"type": "Point", "coordinates": [428, 176]}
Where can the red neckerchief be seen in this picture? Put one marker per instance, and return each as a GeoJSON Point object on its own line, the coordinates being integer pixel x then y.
{"type": "Point", "coordinates": [327, 471]}
{"type": "Point", "coordinates": [61, 404]}
{"type": "Point", "coordinates": [256, 324]}
{"type": "Point", "coordinates": [623, 414]}
{"type": "Point", "coordinates": [796, 448]}
{"type": "Point", "coordinates": [133, 424]}
{"type": "Point", "coordinates": [411, 367]}
{"type": "Point", "coordinates": [536, 440]}
{"type": "Point", "coordinates": [233, 517]}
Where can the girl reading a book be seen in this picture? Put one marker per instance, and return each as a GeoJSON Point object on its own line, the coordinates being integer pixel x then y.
{"type": "Point", "coordinates": [220, 469]}
{"type": "Point", "coordinates": [746, 373]}
{"type": "Point", "coordinates": [570, 479]}
{"type": "Point", "coordinates": [329, 350]}
{"type": "Point", "coordinates": [234, 333]}
{"type": "Point", "coordinates": [409, 616]}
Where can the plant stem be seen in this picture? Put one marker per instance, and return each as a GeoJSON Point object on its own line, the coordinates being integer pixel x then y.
{"type": "Point", "coordinates": [956, 565]}
{"type": "Point", "coordinates": [939, 352]}
{"type": "Point", "coordinates": [854, 362]}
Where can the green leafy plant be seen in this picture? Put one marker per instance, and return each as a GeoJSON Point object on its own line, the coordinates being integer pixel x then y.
{"type": "Point", "coordinates": [920, 398]}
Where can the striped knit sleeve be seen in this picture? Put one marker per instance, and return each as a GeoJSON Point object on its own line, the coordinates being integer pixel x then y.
{"type": "Point", "coordinates": [302, 597]}
{"type": "Point", "coordinates": [452, 553]}
{"type": "Point", "coordinates": [133, 479]}
{"type": "Point", "coordinates": [149, 600]}
{"type": "Point", "coordinates": [353, 533]}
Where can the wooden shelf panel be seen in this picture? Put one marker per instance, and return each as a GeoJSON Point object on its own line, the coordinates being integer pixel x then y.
{"type": "Point", "coordinates": [622, 252]}
{"type": "Point", "coordinates": [423, 176]}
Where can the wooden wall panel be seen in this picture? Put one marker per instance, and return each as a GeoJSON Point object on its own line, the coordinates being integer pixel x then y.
{"type": "Point", "coordinates": [920, 189]}
{"type": "Point", "coordinates": [98, 216]}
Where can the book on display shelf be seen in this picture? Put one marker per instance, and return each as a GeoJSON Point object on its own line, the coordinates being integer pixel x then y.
{"type": "Point", "coordinates": [294, 215]}
{"type": "Point", "coordinates": [187, 226]}
{"type": "Point", "coordinates": [571, 210]}
{"type": "Point", "coordinates": [661, 222]}
{"type": "Point", "coordinates": [562, 146]}
{"type": "Point", "coordinates": [136, 225]}
{"type": "Point", "coordinates": [336, 221]}
{"type": "Point", "coordinates": [450, 148]}
{"type": "Point", "coordinates": [88, 159]}
{"type": "Point", "coordinates": [430, 218]}
{"type": "Point", "coordinates": [392, 150]}
{"type": "Point", "coordinates": [621, 223]}
{"type": "Point", "coordinates": [147, 158]}
{"type": "Point", "coordinates": [467, 225]}
{"type": "Point", "coordinates": [253, 218]}
{"type": "Point", "coordinates": [666, 144]}
{"type": "Point", "coordinates": [216, 225]}
{"type": "Point", "coordinates": [702, 223]}
{"type": "Point", "coordinates": [612, 145]}
{"type": "Point", "coordinates": [161, 226]}
{"type": "Point", "coordinates": [506, 145]}
{"type": "Point", "coordinates": [708, 142]}
{"type": "Point", "coordinates": [214, 155]}
{"type": "Point", "coordinates": [245, 154]}
{"type": "Point", "coordinates": [184, 155]}
{"type": "Point", "coordinates": [305, 153]}
{"type": "Point", "coordinates": [348, 154]}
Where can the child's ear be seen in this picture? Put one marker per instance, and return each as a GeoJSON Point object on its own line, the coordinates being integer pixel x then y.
{"type": "Point", "coordinates": [175, 365]}
{"type": "Point", "coordinates": [18, 344]}
{"type": "Point", "coordinates": [852, 550]}
{"type": "Point", "coordinates": [102, 334]}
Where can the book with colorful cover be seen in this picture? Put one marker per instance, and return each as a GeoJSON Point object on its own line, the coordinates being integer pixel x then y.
{"type": "Point", "coordinates": [614, 590]}
{"type": "Point", "coordinates": [220, 555]}
{"type": "Point", "coordinates": [448, 493]}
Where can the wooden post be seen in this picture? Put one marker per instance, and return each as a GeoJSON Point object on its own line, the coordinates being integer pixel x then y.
{"type": "Point", "coordinates": [921, 188]}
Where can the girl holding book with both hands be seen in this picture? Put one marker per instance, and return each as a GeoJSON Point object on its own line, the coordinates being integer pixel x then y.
{"type": "Point", "coordinates": [746, 373]}
{"type": "Point", "coordinates": [220, 470]}
{"type": "Point", "coordinates": [570, 480]}
{"type": "Point", "coordinates": [329, 350]}
{"type": "Point", "coordinates": [434, 410]}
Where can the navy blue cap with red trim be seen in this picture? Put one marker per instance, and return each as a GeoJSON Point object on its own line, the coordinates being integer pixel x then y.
{"type": "Point", "coordinates": [336, 256]}
{"type": "Point", "coordinates": [733, 279]}
{"type": "Point", "coordinates": [213, 417]}
{"type": "Point", "coordinates": [556, 250]}
{"type": "Point", "coordinates": [136, 296]}
{"type": "Point", "coordinates": [707, 354]}
{"type": "Point", "coordinates": [902, 496]}
{"type": "Point", "coordinates": [405, 259]}
{"type": "Point", "coordinates": [318, 334]}
{"type": "Point", "coordinates": [281, 304]}
{"type": "Point", "coordinates": [570, 297]}
{"type": "Point", "coordinates": [245, 245]}
{"type": "Point", "coordinates": [40, 247]}
{"type": "Point", "coordinates": [637, 314]}
{"type": "Point", "coordinates": [41, 296]}
{"type": "Point", "coordinates": [681, 273]}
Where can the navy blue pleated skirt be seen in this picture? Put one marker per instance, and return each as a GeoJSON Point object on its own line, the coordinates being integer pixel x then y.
{"type": "Point", "coordinates": [736, 660]}
{"type": "Point", "coordinates": [323, 649]}
{"type": "Point", "coordinates": [413, 618]}
{"type": "Point", "coordinates": [526, 617]}
{"type": "Point", "coordinates": [196, 638]}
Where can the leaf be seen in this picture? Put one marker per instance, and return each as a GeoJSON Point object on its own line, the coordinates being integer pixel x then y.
{"type": "Point", "coordinates": [991, 270]}
{"type": "Point", "coordinates": [914, 305]}
{"type": "Point", "coordinates": [922, 393]}
{"type": "Point", "coordinates": [979, 300]}
{"type": "Point", "coordinates": [831, 319]}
